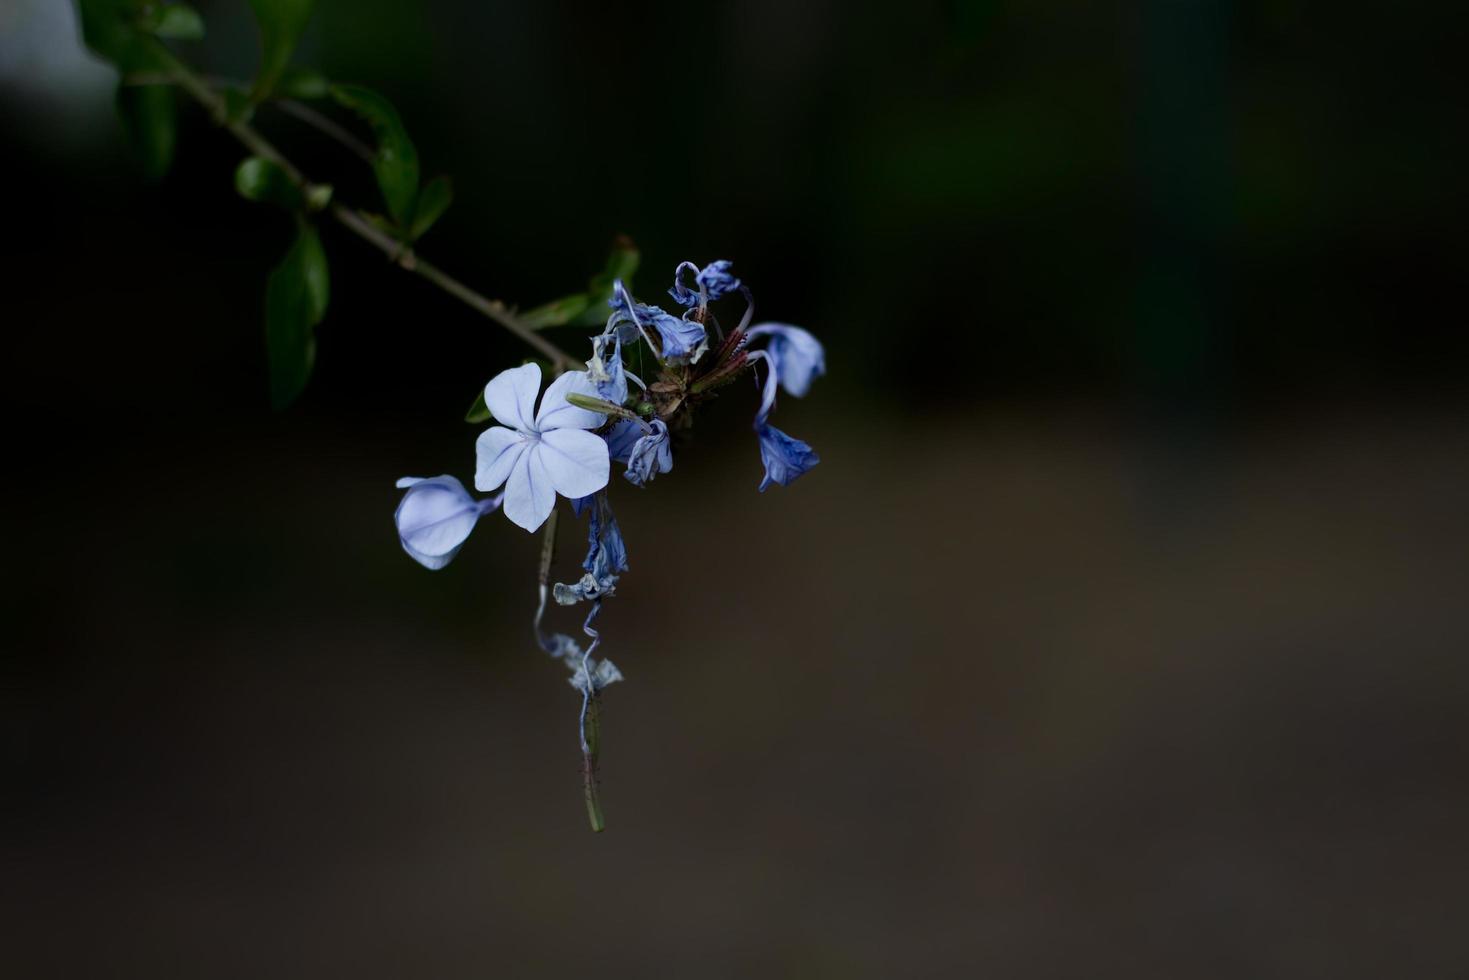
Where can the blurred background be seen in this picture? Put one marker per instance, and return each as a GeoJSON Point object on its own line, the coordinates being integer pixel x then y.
{"type": "Point", "coordinates": [1120, 632]}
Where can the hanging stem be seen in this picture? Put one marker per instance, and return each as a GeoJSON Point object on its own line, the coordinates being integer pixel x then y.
{"type": "Point", "coordinates": [354, 221]}
{"type": "Point", "coordinates": [591, 728]}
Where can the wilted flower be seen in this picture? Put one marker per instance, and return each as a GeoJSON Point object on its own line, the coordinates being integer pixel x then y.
{"type": "Point", "coordinates": [606, 555]}
{"type": "Point", "coordinates": [605, 368]}
{"type": "Point", "coordinates": [680, 340]}
{"type": "Point", "coordinates": [541, 456]}
{"type": "Point", "coordinates": [798, 356]}
{"type": "Point", "coordinates": [785, 457]}
{"type": "Point", "coordinates": [714, 281]}
{"type": "Point", "coordinates": [435, 517]}
{"type": "Point", "coordinates": [650, 454]}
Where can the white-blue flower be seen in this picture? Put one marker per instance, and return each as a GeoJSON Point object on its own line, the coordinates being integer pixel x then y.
{"type": "Point", "coordinates": [435, 516]}
{"type": "Point", "coordinates": [539, 455]}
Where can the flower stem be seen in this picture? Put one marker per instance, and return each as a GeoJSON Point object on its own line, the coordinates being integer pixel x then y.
{"type": "Point", "coordinates": [354, 221]}
{"type": "Point", "coordinates": [592, 736]}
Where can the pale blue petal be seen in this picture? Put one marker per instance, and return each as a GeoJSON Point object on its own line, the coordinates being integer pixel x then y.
{"type": "Point", "coordinates": [558, 413]}
{"type": "Point", "coordinates": [574, 460]}
{"type": "Point", "coordinates": [799, 356]}
{"type": "Point", "coordinates": [682, 340]}
{"type": "Point", "coordinates": [529, 496]}
{"type": "Point", "coordinates": [621, 439]}
{"type": "Point", "coordinates": [511, 396]}
{"type": "Point", "coordinates": [435, 517]}
{"type": "Point", "coordinates": [495, 452]}
{"type": "Point", "coordinates": [785, 457]}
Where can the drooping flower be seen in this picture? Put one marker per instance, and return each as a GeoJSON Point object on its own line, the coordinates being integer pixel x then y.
{"type": "Point", "coordinates": [538, 456]}
{"type": "Point", "coordinates": [714, 281]}
{"type": "Point", "coordinates": [798, 356]}
{"type": "Point", "coordinates": [651, 454]}
{"type": "Point", "coordinates": [605, 368]}
{"type": "Point", "coordinates": [606, 556]}
{"type": "Point", "coordinates": [435, 517]}
{"type": "Point", "coordinates": [785, 457]}
{"type": "Point", "coordinates": [680, 340]}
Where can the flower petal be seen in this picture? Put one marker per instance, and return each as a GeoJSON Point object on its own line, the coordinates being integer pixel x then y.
{"type": "Point", "coordinates": [558, 413]}
{"type": "Point", "coordinates": [496, 451]}
{"type": "Point", "coordinates": [798, 355]}
{"type": "Point", "coordinates": [575, 461]}
{"type": "Point", "coordinates": [511, 396]}
{"type": "Point", "coordinates": [529, 496]}
{"type": "Point", "coordinates": [785, 457]}
{"type": "Point", "coordinates": [621, 438]}
{"type": "Point", "coordinates": [434, 518]}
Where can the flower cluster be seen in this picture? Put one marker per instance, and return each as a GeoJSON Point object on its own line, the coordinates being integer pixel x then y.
{"type": "Point", "coordinates": [587, 420]}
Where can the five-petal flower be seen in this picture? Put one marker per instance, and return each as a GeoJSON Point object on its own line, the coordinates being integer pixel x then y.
{"type": "Point", "coordinates": [539, 455]}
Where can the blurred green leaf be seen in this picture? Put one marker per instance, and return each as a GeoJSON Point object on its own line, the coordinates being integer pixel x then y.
{"type": "Point", "coordinates": [281, 24]}
{"type": "Point", "coordinates": [177, 21]}
{"type": "Point", "coordinates": [395, 161]}
{"type": "Point", "coordinates": [111, 29]}
{"type": "Point", "coordinates": [433, 200]}
{"type": "Point", "coordinates": [479, 411]}
{"type": "Point", "coordinates": [258, 179]}
{"type": "Point", "coordinates": [237, 105]}
{"type": "Point", "coordinates": [318, 196]}
{"type": "Point", "coordinates": [588, 309]}
{"type": "Point", "coordinates": [302, 83]}
{"type": "Point", "coordinates": [622, 262]}
{"type": "Point", "coordinates": [555, 313]}
{"type": "Point", "coordinates": [149, 116]}
{"type": "Point", "coordinates": [296, 297]}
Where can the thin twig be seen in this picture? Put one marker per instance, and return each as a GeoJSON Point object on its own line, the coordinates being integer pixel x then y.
{"type": "Point", "coordinates": [354, 221]}
{"type": "Point", "coordinates": [327, 126]}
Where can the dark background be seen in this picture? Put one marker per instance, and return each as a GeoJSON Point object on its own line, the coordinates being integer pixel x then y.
{"type": "Point", "coordinates": [1121, 630]}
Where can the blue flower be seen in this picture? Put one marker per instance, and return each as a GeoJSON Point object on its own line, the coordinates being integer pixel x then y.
{"type": "Point", "coordinates": [679, 340]}
{"type": "Point", "coordinates": [538, 454]}
{"type": "Point", "coordinates": [785, 457]}
{"type": "Point", "coordinates": [605, 369]}
{"type": "Point", "coordinates": [606, 557]}
{"type": "Point", "coordinates": [650, 454]}
{"type": "Point", "coordinates": [715, 281]}
{"type": "Point", "coordinates": [798, 356]}
{"type": "Point", "coordinates": [682, 340]}
{"type": "Point", "coordinates": [435, 517]}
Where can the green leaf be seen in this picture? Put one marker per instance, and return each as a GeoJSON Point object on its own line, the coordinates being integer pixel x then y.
{"type": "Point", "coordinates": [149, 117]}
{"type": "Point", "coordinates": [318, 196]}
{"type": "Point", "coordinates": [302, 83]}
{"type": "Point", "coordinates": [622, 262]}
{"type": "Point", "coordinates": [557, 312]}
{"type": "Point", "coordinates": [396, 160]}
{"type": "Point", "coordinates": [479, 411]}
{"type": "Point", "coordinates": [296, 296]}
{"type": "Point", "coordinates": [237, 105]}
{"type": "Point", "coordinates": [281, 24]}
{"type": "Point", "coordinates": [177, 21]}
{"type": "Point", "coordinates": [258, 179]}
{"type": "Point", "coordinates": [588, 309]}
{"type": "Point", "coordinates": [111, 29]}
{"type": "Point", "coordinates": [433, 201]}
